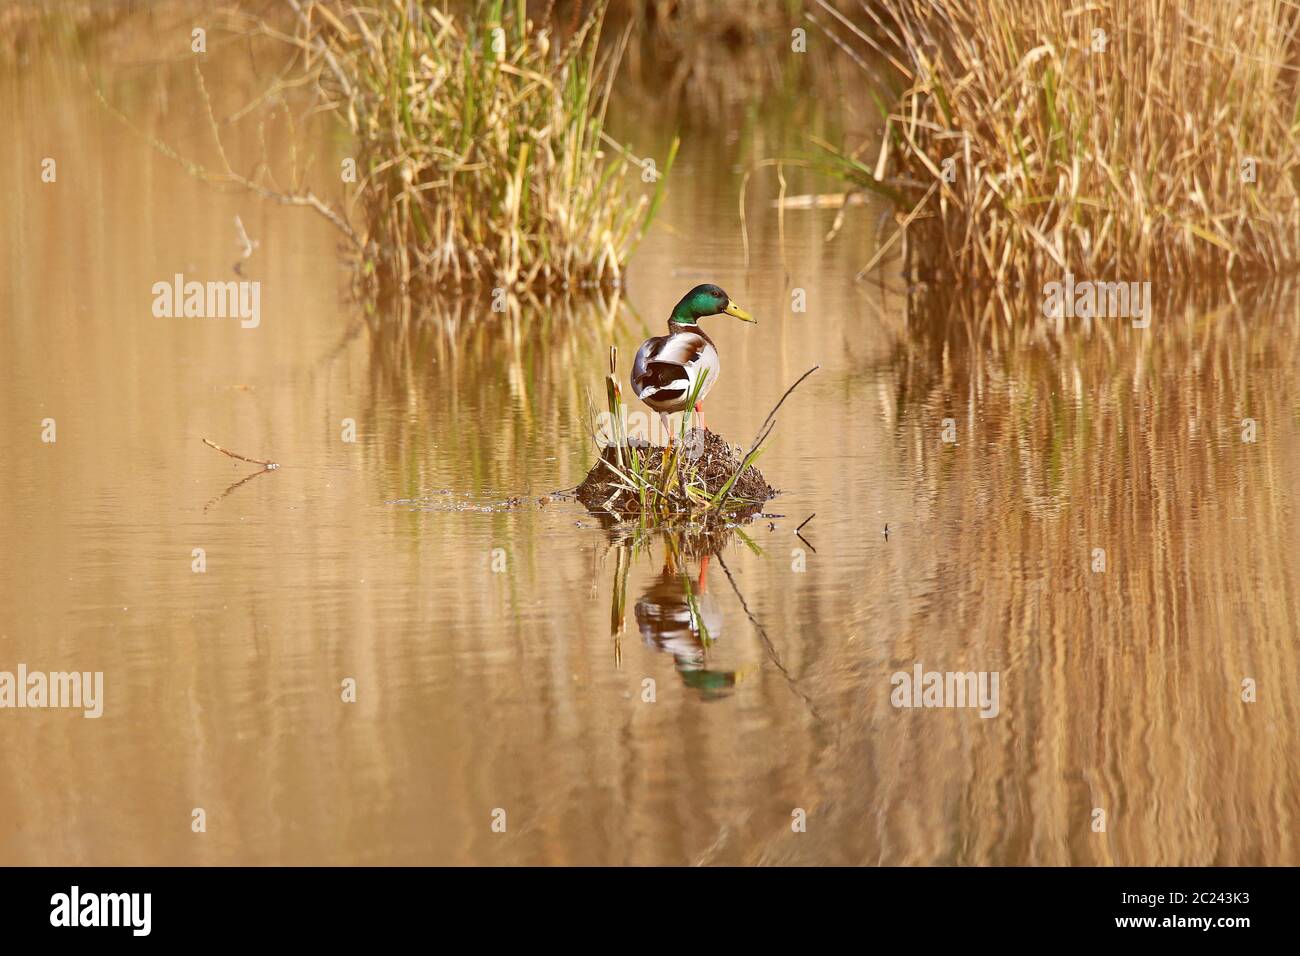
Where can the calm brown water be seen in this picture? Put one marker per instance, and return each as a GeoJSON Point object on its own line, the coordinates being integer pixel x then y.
{"type": "Point", "coordinates": [522, 689]}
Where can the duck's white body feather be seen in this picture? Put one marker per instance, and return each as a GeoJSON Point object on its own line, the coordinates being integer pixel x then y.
{"type": "Point", "coordinates": [668, 367]}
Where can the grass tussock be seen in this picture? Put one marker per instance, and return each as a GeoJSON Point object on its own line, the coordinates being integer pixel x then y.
{"type": "Point", "coordinates": [1115, 138]}
{"type": "Point", "coordinates": [483, 158]}
{"type": "Point", "coordinates": [701, 475]}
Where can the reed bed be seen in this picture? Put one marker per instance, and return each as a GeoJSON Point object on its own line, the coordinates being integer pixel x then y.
{"type": "Point", "coordinates": [1116, 138]}
{"type": "Point", "coordinates": [483, 157]}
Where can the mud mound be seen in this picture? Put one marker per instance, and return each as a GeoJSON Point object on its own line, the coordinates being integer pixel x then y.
{"type": "Point", "coordinates": [707, 456]}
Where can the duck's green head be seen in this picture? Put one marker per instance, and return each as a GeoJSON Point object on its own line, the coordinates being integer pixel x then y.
{"type": "Point", "coordinates": [706, 300]}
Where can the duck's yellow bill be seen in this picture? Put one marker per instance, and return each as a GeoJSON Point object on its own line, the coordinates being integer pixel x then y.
{"type": "Point", "coordinates": [738, 312]}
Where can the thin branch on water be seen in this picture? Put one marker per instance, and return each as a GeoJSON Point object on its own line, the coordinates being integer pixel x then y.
{"type": "Point", "coordinates": [268, 465]}
{"type": "Point", "coordinates": [770, 421]}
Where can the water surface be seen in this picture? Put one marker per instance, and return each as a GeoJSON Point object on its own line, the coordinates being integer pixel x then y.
{"type": "Point", "coordinates": [524, 689]}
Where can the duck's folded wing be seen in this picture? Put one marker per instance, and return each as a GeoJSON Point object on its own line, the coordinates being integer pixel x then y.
{"type": "Point", "coordinates": [661, 380]}
{"type": "Point", "coordinates": [663, 370]}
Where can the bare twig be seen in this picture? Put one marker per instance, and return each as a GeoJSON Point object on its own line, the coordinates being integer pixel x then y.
{"type": "Point", "coordinates": [801, 527]}
{"type": "Point", "coordinates": [770, 422]}
{"type": "Point", "coordinates": [246, 245]}
{"type": "Point", "coordinates": [764, 430]}
{"type": "Point", "coordinates": [253, 461]}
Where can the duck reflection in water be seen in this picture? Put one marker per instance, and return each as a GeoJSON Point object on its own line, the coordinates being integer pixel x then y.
{"type": "Point", "coordinates": [682, 618]}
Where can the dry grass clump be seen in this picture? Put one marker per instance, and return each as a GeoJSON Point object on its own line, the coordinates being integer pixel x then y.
{"type": "Point", "coordinates": [1114, 138]}
{"type": "Point", "coordinates": [482, 152]}
{"type": "Point", "coordinates": [641, 478]}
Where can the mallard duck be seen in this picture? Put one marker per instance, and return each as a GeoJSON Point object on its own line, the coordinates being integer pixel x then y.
{"type": "Point", "coordinates": [668, 367]}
